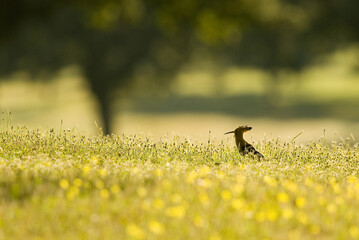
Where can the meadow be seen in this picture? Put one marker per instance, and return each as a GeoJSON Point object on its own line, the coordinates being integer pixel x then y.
{"type": "Point", "coordinates": [57, 184]}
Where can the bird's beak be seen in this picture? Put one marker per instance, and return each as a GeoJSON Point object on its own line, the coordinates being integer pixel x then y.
{"type": "Point", "coordinates": [229, 132]}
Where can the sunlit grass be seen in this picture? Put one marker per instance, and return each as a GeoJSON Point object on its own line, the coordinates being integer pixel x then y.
{"type": "Point", "coordinates": [60, 185]}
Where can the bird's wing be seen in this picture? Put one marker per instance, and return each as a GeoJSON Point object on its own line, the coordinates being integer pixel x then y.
{"type": "Point", "coordinates": [248, 148]}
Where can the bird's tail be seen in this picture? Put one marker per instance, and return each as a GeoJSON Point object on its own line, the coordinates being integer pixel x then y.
{"type": "Point", "coordinates": [259, 155]}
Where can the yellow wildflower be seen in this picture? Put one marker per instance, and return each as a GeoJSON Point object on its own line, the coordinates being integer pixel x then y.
{"type": "Point", "coordinates": [226, 195]}
{"type": "Point", "coordinates": [215, 236]}
{"type": "Point", "coordinates": [308, 167]}
{"type": "Point", "coordinates": [166, 184]}
{"type": "Point", "coordinates": [352, 179]}
{"type": "Point", "coordinates": [308, 182]}
{"type": "Point", "coordinates": [238, 188]}
{"type": "Point", "coordinates": [145, 205]}
{"type": "Point", "coordinates": [95, 160]}
{"type": "Point", "coordinates": [272, 214]}
{"type": "Point", "coordinates": [103, 172]}
{"type": "Point", "coordinates": [159, 172]}
{"type": "Point", "coordinates": [64, 184]}
{"type": "Point", "coordinates": [332, 208]}
{"type": "Point", "coordinates": [203, 198]}
{"type": "Point", "coordinates": [176, 198]}
{"type": "Point", "coordinates": [240, 167]}
{"type": "Point", "coordinates": [72, 193]}
{"type": "Point", "coordinates": [302, 217]}
{"type": "Point", "coordinates": [315, 229]}
{"type": "Point", "coordinates": [336, 188]}
{"type": "Point", "coordinates": [86, 169]}
{"type": "Point", "coordinates": [350, 193]}
{"type": "Point", "coordinates": [206, 183]}
{"type": "Point", "coordinates": [21, 166]}
{"type": "Point", "coordinates": [104, 193]}
{"type": "Point", "coordinates": [332, 180]}
{"type": "Point", "coordinates": [319, 188]}
{"type": "Point", "coordinates": [260, 216]}
{"type": "Point", "coordinates": [78, 182]}
{"type": "Point", "coordinates": [287, 213]}
{"type": "Point", "coordinates": [141, 191]}
{"type": "Point", "coordinates": [135, 231]}
{"type": "Point", "coordinates": [204, 171]}
{"type": "Point", "coordinates": [191, 177]}
{"type": "Point", "coordinates": [115, 189]}
{"type": "Point", "coordinates": [158, 203]}
{"type": "Point", "coordinates": [176, 212]}
{"type": "Point", "coordinates": [156, 227]}
{"type": "Point", "coordinates": [100, 184]}
{"type": "Point", "coordinates": [270, 181]}
{"type": "Point", "coordinates": [354, 231]}
{"type": "Point", "coordinates": [300, 202]}
{"type": "Point", "coordinates": [282, 197]}
{"type": "Point", "coordinates": [291, 186]}
{"type": "Point", "coordinates": [238, 203]}
{"type": "Point", "coordinates": [220, 175]}
{"type": "Point", "coordinates": [198, 221]}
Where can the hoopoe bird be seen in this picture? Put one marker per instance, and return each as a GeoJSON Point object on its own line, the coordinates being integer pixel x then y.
{"type": "Point", "coordinates": [243, 146]}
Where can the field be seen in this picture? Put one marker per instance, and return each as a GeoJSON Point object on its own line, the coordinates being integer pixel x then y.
{"type": "Point", "coordinates": [58, 184]}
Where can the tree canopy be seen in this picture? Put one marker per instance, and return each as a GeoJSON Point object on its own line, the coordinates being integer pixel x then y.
{"type": "Point", "coordinates": [112, 40]}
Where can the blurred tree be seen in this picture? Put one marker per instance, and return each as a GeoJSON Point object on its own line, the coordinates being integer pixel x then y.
{"type": "Point", "coordinates": [108, 40]}
{"type": "Point", "coordinates": [112, 40]}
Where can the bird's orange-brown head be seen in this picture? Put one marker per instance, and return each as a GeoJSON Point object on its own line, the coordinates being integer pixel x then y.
{"type": "Point", "coordinates": [240, 130]}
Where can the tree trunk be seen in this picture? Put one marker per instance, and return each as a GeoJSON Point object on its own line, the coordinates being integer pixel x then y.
{"type": "Point", "coordinates": [105, 112]}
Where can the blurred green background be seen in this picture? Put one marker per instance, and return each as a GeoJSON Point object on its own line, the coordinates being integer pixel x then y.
{"type": "Point", "coordinates": [163, 68]}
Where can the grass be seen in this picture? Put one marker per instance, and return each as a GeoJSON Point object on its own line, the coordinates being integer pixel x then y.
{"type": "Point", "coordinates": [61, 185]}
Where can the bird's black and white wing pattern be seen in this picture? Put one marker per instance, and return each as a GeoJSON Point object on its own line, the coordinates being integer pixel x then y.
{"type": "Point", "coordinates": [248, 148]}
